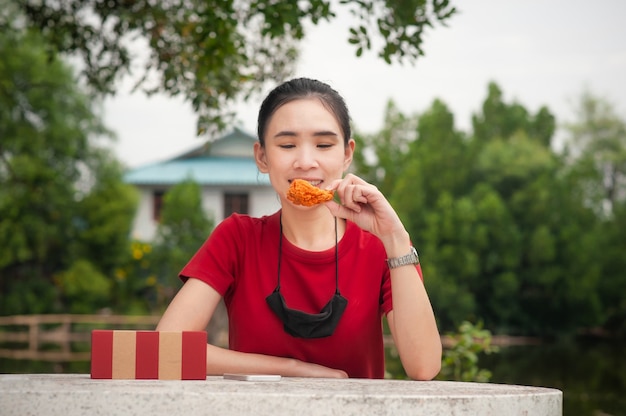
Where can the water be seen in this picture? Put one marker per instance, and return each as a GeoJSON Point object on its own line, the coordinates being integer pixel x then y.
{"type": "Point", "coordinates": [591, 374]}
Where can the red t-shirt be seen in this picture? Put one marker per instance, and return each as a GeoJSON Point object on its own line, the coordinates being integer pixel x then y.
{"type": "Point", "coordinates": [240, 261]}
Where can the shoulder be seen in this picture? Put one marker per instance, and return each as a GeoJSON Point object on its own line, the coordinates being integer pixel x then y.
{"type": "Point", "coordinates": [246, 224]}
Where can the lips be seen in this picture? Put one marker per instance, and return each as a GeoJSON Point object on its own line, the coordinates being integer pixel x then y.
{"type": "Point", "coordinates": [313, 182]}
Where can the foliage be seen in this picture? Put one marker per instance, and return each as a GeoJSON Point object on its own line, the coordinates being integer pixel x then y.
{"type": "Point", "coordinates": [83, 288]}
{"type": "Point", "coordinates": [30, 294]}
{"type": "Point", "coordinates": [460, 360]}
{"type": "Point", "coordinates": [213, 52]}
{"type": "Point", "coordinates": [106, 214]}
{"type": "Point", "coordinates": [44, 138]}
{"type": "Point", "coordinates": [595, 154]}
{"type": "Point", "coordinates": [148, 278]}
{"type": "Point", "coordinates": [613, 263]}
{"type": "Point", "coordinates": [135, 288]}
{"type": "Point", "coordinates": [500, 120]}
{"type": "Point", "coordinates": [510, 231]}
{"type": "Point", "coordinates": [389, 147]}
{"type": "Point", "coordinates": [597, 141]}
{"type": "Point", "coordinates": [62, 200]}
{"type": "Point", "coordinates": [184, 227]}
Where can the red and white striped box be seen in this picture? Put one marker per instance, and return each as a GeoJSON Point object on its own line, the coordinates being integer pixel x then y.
{"type": "Point", "coordinates": [162, 355]}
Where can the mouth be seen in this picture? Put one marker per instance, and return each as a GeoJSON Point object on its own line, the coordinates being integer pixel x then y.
{"type": "Point", "coordinates": [316, 182]}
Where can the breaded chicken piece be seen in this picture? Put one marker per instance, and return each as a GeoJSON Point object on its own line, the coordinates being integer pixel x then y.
{"type": "Point", "coordinates": [303, 193]}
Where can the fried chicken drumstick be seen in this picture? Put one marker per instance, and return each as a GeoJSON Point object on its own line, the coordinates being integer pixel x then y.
{"type": "Point", "coordinates": [303, 193]}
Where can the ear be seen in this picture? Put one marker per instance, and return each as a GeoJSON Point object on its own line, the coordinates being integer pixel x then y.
{"type": "Point", "coordinates": [260, 157]}
{"type": "Point", "coordinates": [349, 153]}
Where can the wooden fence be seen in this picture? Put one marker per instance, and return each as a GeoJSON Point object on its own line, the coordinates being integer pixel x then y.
{"type": "Point", "coordinates": [35, 331]}
{"type": "Point", "coordinates": [60, 330]}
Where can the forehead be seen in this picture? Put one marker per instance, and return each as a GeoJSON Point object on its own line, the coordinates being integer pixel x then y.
{"type": "Point", "coordinates": [303, 114]}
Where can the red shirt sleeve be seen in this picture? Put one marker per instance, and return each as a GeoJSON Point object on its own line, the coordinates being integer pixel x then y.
{"type": "Point", "coordinates": [214, 263]}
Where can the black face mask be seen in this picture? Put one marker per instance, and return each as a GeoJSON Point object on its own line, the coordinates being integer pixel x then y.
{"type": "Point", "coordinates": [308, 325]}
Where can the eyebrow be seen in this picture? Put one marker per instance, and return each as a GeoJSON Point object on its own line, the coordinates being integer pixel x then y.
{"type": "Point", "coordinates": [321, 133]}
{"type": "Point", "coordinates": [325, 133]}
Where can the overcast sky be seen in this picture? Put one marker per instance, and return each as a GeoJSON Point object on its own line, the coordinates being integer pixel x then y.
{"type": "Point", "coordinates": [540, 52]}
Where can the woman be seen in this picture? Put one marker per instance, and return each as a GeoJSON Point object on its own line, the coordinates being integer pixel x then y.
{"type": "Point", "coordinates": [306, 287]}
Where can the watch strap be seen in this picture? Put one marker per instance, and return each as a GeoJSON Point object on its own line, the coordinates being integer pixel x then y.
{"type": "Point", "coordinates": [411, 258]}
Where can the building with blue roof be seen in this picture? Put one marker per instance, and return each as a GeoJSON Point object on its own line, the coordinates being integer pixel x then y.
{"type": "Point", "coordinates": [224, 168]}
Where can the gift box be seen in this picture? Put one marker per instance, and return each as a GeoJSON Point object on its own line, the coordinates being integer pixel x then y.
{"type": "Point", "coordinates": [162, 355]}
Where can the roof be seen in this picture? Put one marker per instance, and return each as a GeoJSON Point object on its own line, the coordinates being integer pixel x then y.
{"type": "Point", "coordinates": [216, 171]}
{"type": "Point", "coordinates": [226, 161]}
{"type": "Point", "coordinates": [237, 143]}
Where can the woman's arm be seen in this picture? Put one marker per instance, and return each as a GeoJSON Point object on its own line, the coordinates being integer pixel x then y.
{"type": "Point", "coordinates": [413, 327]}
{"type": "Point", "coordinates": [412, 321]}
{"type": "Point", "coordinates": [192, 309]}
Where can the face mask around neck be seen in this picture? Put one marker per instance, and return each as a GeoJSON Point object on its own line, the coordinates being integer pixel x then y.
{"type": "Point", "coordinates": [308, 325]}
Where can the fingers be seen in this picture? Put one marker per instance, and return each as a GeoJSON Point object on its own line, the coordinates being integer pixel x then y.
{"type": "Point", "coordinates": [353, 192]}
{"type": "Point", "coordinates": [340, 211]}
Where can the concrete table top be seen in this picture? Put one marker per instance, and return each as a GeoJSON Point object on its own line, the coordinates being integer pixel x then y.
{"type": "Point", "coordinates": [78, 394]}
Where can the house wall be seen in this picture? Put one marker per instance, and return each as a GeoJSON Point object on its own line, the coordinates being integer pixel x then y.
{"type": "Point", "coordinates": [262, 201]}
{"type": "Point", "coordinates": [144, 227]}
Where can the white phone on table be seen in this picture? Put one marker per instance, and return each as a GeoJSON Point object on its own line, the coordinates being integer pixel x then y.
{"type": "Point", "coordinates": [252, 377]}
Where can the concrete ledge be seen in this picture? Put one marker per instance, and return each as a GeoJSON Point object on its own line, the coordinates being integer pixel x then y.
{"type": "Point", "coordinates": [77, 394]}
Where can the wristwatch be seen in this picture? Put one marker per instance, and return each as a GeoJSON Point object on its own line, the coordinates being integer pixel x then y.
{"type": "Point", "coordinates": [411, 258]}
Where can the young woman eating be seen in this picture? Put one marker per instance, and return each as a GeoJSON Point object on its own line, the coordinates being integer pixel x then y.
{"type": "Point", "coordinates": [306, 287]}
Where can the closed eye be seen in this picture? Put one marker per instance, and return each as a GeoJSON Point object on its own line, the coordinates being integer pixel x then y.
{"type": "Point", "coordinates": [325, 145]}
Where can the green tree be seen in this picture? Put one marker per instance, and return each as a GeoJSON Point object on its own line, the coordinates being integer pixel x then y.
{"type": "Point", "coordinates": [184, 227]}
{"type": "Point", "coordinates": [84, 289]}
{"type": "Point", "coordinates": [552, 225]}
{"type": "Point", "coordinates": [499, 120]}
{"type": "Point", "coordinates": [513, 155]}
{"type": "Point", "coordinates": [215, 51]}
{"type": "Point", "coordinates": [597, 143]}
{"type": "Point", "coordinates": [460, 360]}
{"type": "Point", "coordinates": [382, 160]}
{"type": "Point", "coordinates": [53, 179]}
{"type": "Point", "coordinates": [595, 150]}
{"type": "Point", "coordinates": [501, 222]}
{"type": "Point", "coordinates": [135, 289]}
{"type": "Point", "coordinates": [106, 214]}
{"type": "Point", "coordinates": [613, 279]}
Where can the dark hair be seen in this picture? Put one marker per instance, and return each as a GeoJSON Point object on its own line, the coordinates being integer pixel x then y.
{"type": "Point", "coordinates": [299, 88]}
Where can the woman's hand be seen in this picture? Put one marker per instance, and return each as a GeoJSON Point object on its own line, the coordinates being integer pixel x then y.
{"type": "Point", "coordinates": [363, 204]}
{"type": "Point", "coordinates": [221, 360]}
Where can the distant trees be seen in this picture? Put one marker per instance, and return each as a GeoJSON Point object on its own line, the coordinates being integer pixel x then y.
{"type": "Point", "coordinates": [65, 213]}
{"type": "Point", "coordinates": [184, 227]}
{"type": "Point", "coordinates": [148, 280]}
{"type": "Point", "coordinates": [511, 232]}
{"type": "Point", "coordinates": [595, 154]}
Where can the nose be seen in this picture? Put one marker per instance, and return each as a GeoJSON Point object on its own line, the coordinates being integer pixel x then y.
{"type": "Point", "coordinates": [306, 158]}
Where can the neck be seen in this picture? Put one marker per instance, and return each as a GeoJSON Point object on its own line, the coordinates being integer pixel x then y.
{"type": "Point", "coordinates": [313, 230]}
